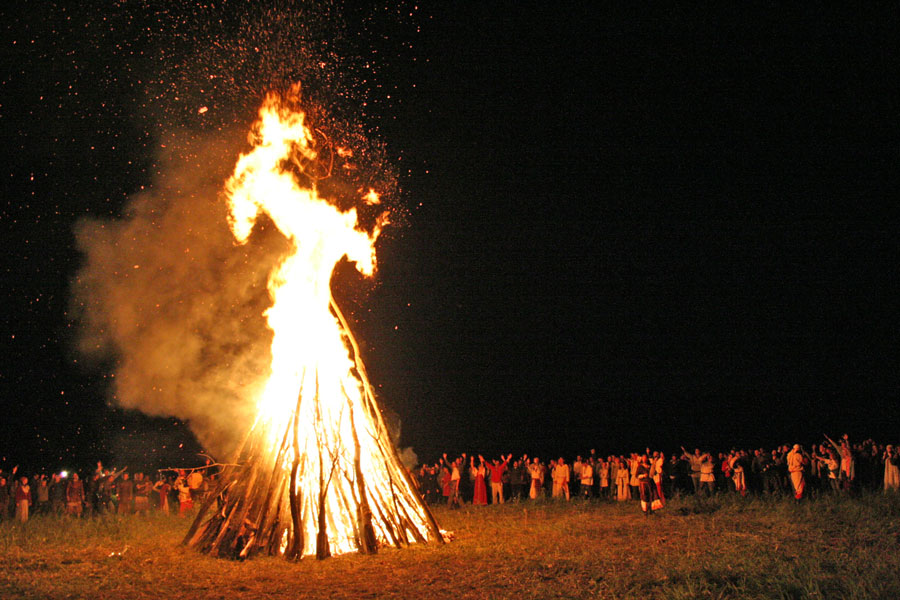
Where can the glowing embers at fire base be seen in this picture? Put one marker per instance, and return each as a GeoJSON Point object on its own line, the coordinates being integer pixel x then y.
{"type": "Point", "coordinates": [318, 473]}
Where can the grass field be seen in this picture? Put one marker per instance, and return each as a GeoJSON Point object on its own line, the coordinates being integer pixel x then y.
{"type": "Point", "coordinates": [727, 547]}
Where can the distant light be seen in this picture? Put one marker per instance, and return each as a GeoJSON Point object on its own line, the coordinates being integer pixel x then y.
{"type": "Point", "coordinates": [64, 474]}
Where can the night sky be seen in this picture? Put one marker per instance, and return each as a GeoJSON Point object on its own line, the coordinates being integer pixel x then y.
{"type": "Point", "coordinates": [622, 228]}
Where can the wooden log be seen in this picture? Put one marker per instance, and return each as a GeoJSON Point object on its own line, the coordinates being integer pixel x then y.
{"type": "Point", "coordinates": [366, 532]}
{"type": "Point", "coordinates": [295, 548]}
{"type": "Point", "coordinates": [322, 549]}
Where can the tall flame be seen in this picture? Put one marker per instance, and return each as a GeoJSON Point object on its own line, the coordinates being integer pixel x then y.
{"type": "Point", "coordinates": [317, 420]}
{"type": "Point", "coordinates": [307, 336]}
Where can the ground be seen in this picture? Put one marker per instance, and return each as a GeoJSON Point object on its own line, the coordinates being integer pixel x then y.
{"type": "Point", "coordinates": [728, 547]}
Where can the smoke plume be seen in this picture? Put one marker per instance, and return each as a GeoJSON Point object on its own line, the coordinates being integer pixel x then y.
{"type": "Point", "coordinates": [173, 305]}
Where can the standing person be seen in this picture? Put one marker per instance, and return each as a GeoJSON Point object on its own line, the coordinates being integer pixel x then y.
{"type": "Point", "coordinates": [42, 494]}
{"type": "Point", "coordinates": [873, 457]}
{"type": "Point", "coordinates": [427, 484]}
{"type": "Point", "coordinates": [125, 492]}
{"type": "Point", "coordinates": [723, 474]}
{"type": "Point", "coordinates": [479, 496]}
{"type": "Point", "coordinates": [848, 465]}
{"type": "Point", "coordinates": [506, 486]}
{"type": "Point", "coordinates": [105, 486]}
{"type": "Point", "coordinates": [173, 492]}
{"type": "Point", "coordinates": [420, 480]}
{"type": "Point", "coordinates": [576, 474]}
{"type": "Point", "coordinates": [75, 496]}
{"type": "Point", "coordinates": [466, 488]}
{"type": "Point", "coordinates": [547, 478]}
{"type": "Point", "coordinates": [755, 475]}
{"type": "Point", "coordinates": [497, 470]}
{"type": "Point", "coordinates": [833, 464]}
{"type": "Point", "coordinates": [596, 462]}
{"type": "Point", "coordinates": [142, 489]}
{"type": "Point", "coordinates": [90, 493]}
{"type": "Point", "coordinates": [891, 469]}
{"type": "Point", "coordinates": [517, 476]}
{"type": "Point", "coordinates": [434, 481]}
{"type": "Point", "coordinates": [9, 507]}
{"type": "Point", "coordinates": [445, 483]}
{"type": "Point", "coordinates": [184, 494]}
{"type": "Point", "coordinates": [657, 467]}
{"type": "Point", "coordinates": [603, 473]}
{"type": "Point", "coordinates": [695, 460]}
{"type": "Point", "coordinates": [587, 478]}
{"type": "Point", "coordinates": [209, 483]}
{"type": "Point", "coordinates": [707, 475]}
{"type": "Point", "coordinates": [646, 486]}
{"type": "Point", "coordinates": [829, 463]}
{"type": "Point", "coordinates": [622, 477]}
{"type": "Point", "coordinates": [454, 483]}
{"type": "Point", "coordinates": [195, 483]}
{"type": "Point", "coordinates": [4, 498]}
{"type": "Point", "coordinates": [560, 476]}
{"type": "Point", "coordinates": [633, 482]}
{"type": "Point", "coordinates": [536, 473]}
{"type": "Point", "coordinates": [613, 462]}
{"type": "Point", "coordinates": [162, 487]}
{"type": "Point", "coordinates": [796, 461]}
{"type": "Point", "coordinates": [673, 483]}
{"type": "Point", "coordinates": [23, 500]}
{"type": "Point", "coordinates": [771, 471]}
{"type": "Point", "coordinates": [738, 473]}
{"type": "Point", "coordinates": [57, 495]}
{"type": "Point", "coordinates": [94, 491]}
{"type": "Point", "coordinates": [550, 482]}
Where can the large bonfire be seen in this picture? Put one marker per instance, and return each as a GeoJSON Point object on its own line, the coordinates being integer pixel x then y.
{"type": "Point", "coordinates": [317, 473]}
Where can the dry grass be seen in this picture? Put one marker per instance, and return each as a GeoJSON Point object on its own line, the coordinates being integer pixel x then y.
{"type": "Point", "coordinates": [725, 548]}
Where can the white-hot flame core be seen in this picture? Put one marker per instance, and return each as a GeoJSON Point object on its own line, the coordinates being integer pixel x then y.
{"type": "Point", "coordinates": [310, 358]}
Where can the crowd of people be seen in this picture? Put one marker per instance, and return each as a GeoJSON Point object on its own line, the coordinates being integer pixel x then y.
{"type": "Point", "coordinates": [653, 476]}
{"type": "Point", "coordinates": [649, 476]}
{"type": "Point", "coordinates": [104, 491]}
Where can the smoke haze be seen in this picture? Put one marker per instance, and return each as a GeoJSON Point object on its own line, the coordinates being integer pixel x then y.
{"type": "Point", "coordinates": [174, 305]}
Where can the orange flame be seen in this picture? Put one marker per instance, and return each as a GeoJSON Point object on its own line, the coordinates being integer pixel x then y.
{"type": "Point", "coordinates": [314, 378]}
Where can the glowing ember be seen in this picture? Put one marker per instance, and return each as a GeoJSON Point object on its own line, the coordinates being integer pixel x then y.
{"type": "Point", "coordinates": [319, 473]}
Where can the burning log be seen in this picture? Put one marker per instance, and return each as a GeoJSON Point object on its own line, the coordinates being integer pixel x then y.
{"type": "Point", "coordinates": [317, 473]}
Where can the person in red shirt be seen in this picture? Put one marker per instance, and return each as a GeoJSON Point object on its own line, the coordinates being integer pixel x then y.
{"type": "Point", "coordinates": [497, 468]}
{"type": "Point", "coordinates": [23, 500]}
{"type": "Point", "coordinates": [75, 496]}
{"type": "Point", "coordinates": [480, 496]}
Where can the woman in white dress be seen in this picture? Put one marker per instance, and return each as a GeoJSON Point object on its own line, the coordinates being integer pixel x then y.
{"type": "Point", "coordinates": [891, 469]}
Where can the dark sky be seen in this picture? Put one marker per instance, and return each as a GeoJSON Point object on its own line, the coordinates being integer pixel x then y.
{"type": "Point", "coordinates": [625, 228]}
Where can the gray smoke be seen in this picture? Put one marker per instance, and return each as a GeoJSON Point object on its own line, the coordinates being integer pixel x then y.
{"type": "Point", "coordinates": [169, 301]}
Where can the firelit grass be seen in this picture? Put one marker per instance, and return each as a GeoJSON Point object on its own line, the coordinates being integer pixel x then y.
{"type": "Point", "coordinates": [726, 547]}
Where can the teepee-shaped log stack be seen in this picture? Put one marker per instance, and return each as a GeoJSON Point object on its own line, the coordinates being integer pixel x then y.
{"type": "Point", "coordinates": [317, 473]}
